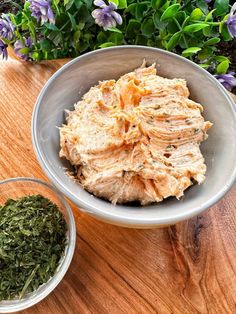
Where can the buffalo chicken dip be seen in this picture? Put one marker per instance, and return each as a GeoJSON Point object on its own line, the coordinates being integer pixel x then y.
{"type": "Point", "coordinates": [136, 139]}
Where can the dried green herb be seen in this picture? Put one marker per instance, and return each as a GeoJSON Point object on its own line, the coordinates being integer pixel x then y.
{"type": "Point", "coordinates": [170, 147]}
{"type": "Point", "coordinates": [32, 242]}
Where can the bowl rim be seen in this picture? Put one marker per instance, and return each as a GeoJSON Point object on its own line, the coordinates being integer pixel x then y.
{"type": "Point", "coordinates": [98, 212]}
{"type": "Point", "coordinates": [6, 306]}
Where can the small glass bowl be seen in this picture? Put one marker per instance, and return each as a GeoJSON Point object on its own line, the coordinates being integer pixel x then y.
{"type": "Point", "coordinates": [19, 187]}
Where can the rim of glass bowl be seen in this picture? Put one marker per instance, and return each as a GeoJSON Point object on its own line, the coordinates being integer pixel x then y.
{"type": "Point", "coordinates": [18, 305]}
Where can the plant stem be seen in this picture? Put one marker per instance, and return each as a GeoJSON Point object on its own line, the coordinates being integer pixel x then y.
{"type": "Point", "coordinates": [28, 281]}
{"type": "Point", "coordinates": [186, 4]}
{"type": "Point", "coordinates": [177, 23]}
{"type": "Point", "coordinates": [68, 21]}
{"type": "Point", "coordinates": [186, 44]}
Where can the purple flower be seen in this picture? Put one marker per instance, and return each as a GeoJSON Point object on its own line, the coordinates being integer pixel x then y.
{"type": "Point", "coordinates": [227, 80]}
{"type": "Point", "coordinates": [6, 27]}
{"type": "Point", "coordinates": [3, 50]}
{"type": "Point", "coordinates": [106, 16]}
{"type": "Point", "coordinates": [231, 22]}
{"type": "Point", "coordinates": [207, 1]}
{"type": "Point", "coordinates": [21, 44]}
{"type": "Point", "coordinates": [41, 9]}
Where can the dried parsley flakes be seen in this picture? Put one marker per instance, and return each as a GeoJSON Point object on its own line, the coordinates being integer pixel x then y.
{"type": "Point", "coordinates": [32, 241]}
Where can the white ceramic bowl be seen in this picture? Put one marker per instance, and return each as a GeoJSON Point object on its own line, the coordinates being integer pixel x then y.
{"type": "Point", "coordinates": [75, 78]}
{"type": "Point", "coordinates": [19, 187]}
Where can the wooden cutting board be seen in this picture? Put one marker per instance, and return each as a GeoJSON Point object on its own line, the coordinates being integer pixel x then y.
{"type": "Point", "coordinates": [186, 268]}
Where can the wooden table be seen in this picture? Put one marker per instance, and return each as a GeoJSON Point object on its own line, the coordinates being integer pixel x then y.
{"type": "Point", "coordinates": [186, 268]}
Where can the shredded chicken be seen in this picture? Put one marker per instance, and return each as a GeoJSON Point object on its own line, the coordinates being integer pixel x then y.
{"type": "Point", "coordinates": [136, 139]}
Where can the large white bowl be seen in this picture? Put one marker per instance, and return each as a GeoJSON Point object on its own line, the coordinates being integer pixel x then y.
{"type": "Point", "coordinates": [75, 78]}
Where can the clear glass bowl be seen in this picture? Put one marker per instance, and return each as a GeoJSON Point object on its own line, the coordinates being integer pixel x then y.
{"type": "Point", "coordinates": [18, 187]}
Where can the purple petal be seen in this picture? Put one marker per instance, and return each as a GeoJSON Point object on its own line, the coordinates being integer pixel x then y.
{"type": "Point", "coordinates": [117, 17]}
{"type": "Point", "coordinates": [96, 13]}
{"type": "Point", "coordinates": [19, 44]}
{"type": "Point", "coordinates": [110, 23]}
{"type": "Point", "coordinates": [51, 16]}
{"type": "Point", "coordinates": [227, 85]}
{"type": "Point", "coordinates": [100, 3]}
{"type": "Point", "coordinates": [28, 42]}
{"type": "Point", "coordinates": [6, 27]}
{"type": "Point", "coordinates": [41, 9]}
{"type": "Point", "coordinates": [227, 80]}
{"type": "Point", "coordinates": [3, 50]}
{"type": "Point", "coordinates": [112, 6]}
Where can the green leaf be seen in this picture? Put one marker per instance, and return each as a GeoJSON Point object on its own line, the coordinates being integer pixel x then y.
{"type": "Point", "coordinates": [204, 65]}
{"type": "Point", "coordinates": [212, 41]}
{"type": "Point", "coordinates": [220, 58]}
{"type": "Point", "coordinates": [156, 4]}
{"type": "Point", "coordinates": [140, 10]}
{"type": "Point", "coordinates": [222, 68]}
{"type": "Point", "coordinates": [83, 47]}
{"type": "Point", "coordinates": [207, 31]}
{"type": "Point", "coordinates": [141, 40]}
{"type": "Point", "coordinates": [172, 28]}
{"type": "Point", "coordinates": [222, 23]}
{"type": "Point", "coordinates": [51, 27]}
{"type": "Point", "coordinates": [225, 34]}
{"type": "Point", "coordinates": [115, 30]}
{"type": "Point", "coordinates": [190, 51]}
{"type": "Point", "coordinates": [114, 1]}
{"type": "Point", "coordinates": [55, 4]}
{"type": "Point", "coordinates": [170, 12]}
{"type": "Point", "coordinates": [31, 27]}
{"type": "Point", "coordinates": [26, 5]}
{"type": "Point", "coordinates": [194, 27]}
{"type": "Point", "coordinates": [73, 21]}
{"type": "Point", "coordinates": [106, 45]}
{"type": "Point", "coordinates": [45, 44]}
{"type": "Point", "coordinates": [180, 17]}
{"type": "Point", "coordinates": [79, 3]}
{"type": "Point", "coordinates": [116, 38]}
{"type": "Point", "coordinates": [69, 4]}
{"type": "Point", "coordinates": [201, 4]}
{"type": "Point", "coordinates": [209, 15]}
{"type": "Point", "coordinates": [205, 53]}
{"type": "Point", "coordinates": [166, 5]}
{"type": "Point", "coordinates": [101, 37]}
{"type": "Point", "coordinates": [35, 56]}
{"type": "Point", "coordinates": [173, 41]}
{"type": "Point", "coordinates": [160, 25]}
{"type": "Point", "coordinates": [76, 37]}
{"type": "Point", "coordinates": [130, 9]}
{"type": "Point", "coordinates": [122, 4]}
{"type": "Point", "coordinates": [24, 51]}
{"type": "Point", "coordinates": [196, 14]}
{"type": "Point", "coordinates": [84, 14]}
{"type": "Point", "coordinates": [57, 39]}
{"type": "Point", "coordinates": [133, 28]}
{"type": "Point", "coordinates": [81, 26]}
{"type": "Point", "coordinates": [221, 6]}
{"type": "Point", "coordinates": [148, 27]}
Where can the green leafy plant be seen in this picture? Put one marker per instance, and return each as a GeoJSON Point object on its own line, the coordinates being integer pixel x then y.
{"type": "Point", "coordinates": [69, 28]}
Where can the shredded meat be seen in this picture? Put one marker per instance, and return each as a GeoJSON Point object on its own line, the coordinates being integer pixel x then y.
{"type": "Point", "coordinates": [136, 139]}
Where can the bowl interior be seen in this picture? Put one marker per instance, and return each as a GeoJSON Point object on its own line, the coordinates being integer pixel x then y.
{"type": "Point", "coordinates": [73, 80]}
{"type": "Point", "coordinates": [19, 187]}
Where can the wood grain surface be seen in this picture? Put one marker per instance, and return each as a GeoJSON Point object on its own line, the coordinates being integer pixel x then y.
{"type": "Point", "coordinates": [186, 268]}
